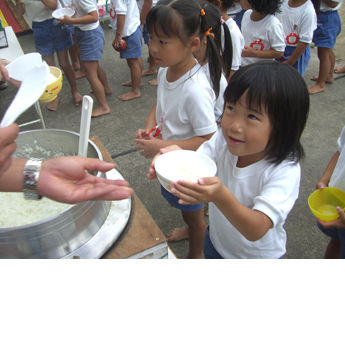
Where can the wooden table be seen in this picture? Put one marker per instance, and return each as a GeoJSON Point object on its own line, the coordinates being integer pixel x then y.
{"type": "Point", "coordinates": [141, 238]}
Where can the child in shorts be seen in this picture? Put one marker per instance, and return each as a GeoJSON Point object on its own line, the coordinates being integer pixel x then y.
{"type": "Point", "coordinates": [328, 28]}
{"type": "Point", "coordinates": [91, 40]}
{"type": "Point", "coordinates": [262, 31]}
{"type": "Point", "coordinates": [334, 176]}
{"type": "Point", "coordinates": [50, 38]}
{"type": "Point", "coordinates": [298, 18]}
{"type": "Point", "coordinates": [125, 22]}
{"type": "Point", "coordinates": [144, 6]}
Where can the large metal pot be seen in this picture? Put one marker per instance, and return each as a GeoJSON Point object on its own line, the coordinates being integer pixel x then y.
{"type": "Point", "coordinates": [62, 234]}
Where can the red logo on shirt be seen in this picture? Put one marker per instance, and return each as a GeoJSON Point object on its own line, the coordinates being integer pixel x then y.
{"type": "Point", "coordinates": [112, 13]}
{"type": "Point", "coordinates": [257, 45]}
{"type": "Point", "coordinates": [292, 38]}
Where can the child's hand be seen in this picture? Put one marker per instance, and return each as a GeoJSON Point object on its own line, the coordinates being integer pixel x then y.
{"type": "Point", "coordinates": [248, 52]}
{"type": "Point", "coordinates": [117, 42]}
{"type": "Point", "coordinates": [320, 185]}
{"type": "Point", "coordinates": [66, 20]}
{"type": "Point", "coordinates": [152, 171]}
{"type": "Point", "coordinates": [141, 134]}
{"type": "Point", "coordinates": [202, 192]}
{"type": "Point", "coordinates": [338, 223]}
{"type": "Point", "coordinates": [149, 147]}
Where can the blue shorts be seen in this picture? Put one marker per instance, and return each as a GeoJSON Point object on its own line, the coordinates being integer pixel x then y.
{"type": "Point", "coordinates": [173, 200]}
{"type": "Point", "coordinates": [328, 28]}
{"type": "Point", "coordinates": [71, 29]}
{"type": "Point", "coordinates": [302, 63]}
{"type": "Point", "coordinates": [210, 251]}
{"type": "Point", "coordinates": [50, 38]}
{"type": "Point", "coordinates": [338, 234]}
{"type": "Point", "coordinates": [134, 45]}
{"type": "Point", "coordinates": [146, 35]}
{"type": "Point", "coordinates": [90, 43]}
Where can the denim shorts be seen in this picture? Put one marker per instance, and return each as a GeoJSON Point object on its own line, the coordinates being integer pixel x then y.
{"type": "Point", "coordinates": [91, 43]}
{"type": "Point", "coordinates": [328, 28]}
{"type": "Point", "coordinates": [146, 35]}
{"type": "Point", "coordinates": [134, 45]}
{"type": "Point", "coordinates": [338, 234]}
{"type": "Point", "coordinates": [302, 63]}
{"type": "Point", "coordinates": [173, 200]}
{"type": "Point", "coordinates": [50, 38]}
{"type": "Point", "coordinates": [210, 251]}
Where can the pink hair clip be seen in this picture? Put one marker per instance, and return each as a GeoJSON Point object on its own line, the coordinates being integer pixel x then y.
{"type": "Point", "coordinates": [222, 21]}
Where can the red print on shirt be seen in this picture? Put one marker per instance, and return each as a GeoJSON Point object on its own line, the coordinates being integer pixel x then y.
{"type": "Point", "coordinates": [257, 45]}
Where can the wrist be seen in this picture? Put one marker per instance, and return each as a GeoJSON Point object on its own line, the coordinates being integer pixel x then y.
{"type": "Point", "coordinates": [31, 174]}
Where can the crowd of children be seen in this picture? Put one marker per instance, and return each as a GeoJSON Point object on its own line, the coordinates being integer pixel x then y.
{"type": "Point", "coordinates": [230, 85]}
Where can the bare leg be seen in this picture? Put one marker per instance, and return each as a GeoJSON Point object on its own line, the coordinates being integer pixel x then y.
{"type": "Point", "coordinates": [74, 58]}
{"type": "Point", "coordinates": [327, 60]}
{"type": "Point", "coordinates": [197, 229]}
{"type": "Point", "coordinates": [81, 72]}
{"type": "Point", "coordinates": [102, 76]}
{"type": "Point", "coordinates": [49, 59]}
{"type": "Point", "coordinates": [91, 72]}
{"type": "Point", "coordinates": [333, 249]}
{"type": "Point", "coordinates": [70, 75]}
{"type": "Point", "coordinates": [152, 66]}
{"type": "Point", "coordinates": [135, 68]}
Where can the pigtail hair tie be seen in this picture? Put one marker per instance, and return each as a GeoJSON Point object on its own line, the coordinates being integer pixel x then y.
{"type": "Point", "coordinates": [222, 21]}
{"type": "Point", "coordinates": [208, 32]}
{"type": "Point", "coordinates": [202, 12]}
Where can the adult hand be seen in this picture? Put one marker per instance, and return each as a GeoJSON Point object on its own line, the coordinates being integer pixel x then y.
{"type": "Point", "coordinates": [8, 136]}
{"type": "Point", "coordinates": [338, 223]}
{"type": "Point", "coordinates": [65, 179]}
{"type": "Point", "coordinates": [205, 190]}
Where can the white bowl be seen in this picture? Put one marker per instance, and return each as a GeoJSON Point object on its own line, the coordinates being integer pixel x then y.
{"type": "Point", "coordinates": [61, 12]}
{"type": "Point", "coordinates": [183, 165]}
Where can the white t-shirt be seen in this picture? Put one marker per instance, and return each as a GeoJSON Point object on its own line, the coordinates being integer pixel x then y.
{"type": "Point", "coordinates": [82, 8]}
{"type": "Point", "coordinates": [298, 23]}
{"type": "Point", "coordinates": [261, 186]}
{"type": "Point", "coordinates": [264, 34]}
{"type": "Point", "coordinates": [185, 107]}
{"type": "Point", "coordinates": [128, 8]}
{"type": "Point", "coordinates": [326, 8]}
{"type": "Point", "coordinates": [237, 43]}
{"type": "Point", "coordinates": [338, 176]}
{"type": "Point", "coordinates": [37, 12]}
{"type": "Point", "coordinates": [218, 102]}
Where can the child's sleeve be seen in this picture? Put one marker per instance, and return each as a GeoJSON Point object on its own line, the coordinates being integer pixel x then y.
{"type": "Point", "coordinates": [341, 140]}
{"type": "Point", "coordinates": [308, 25]}
{"type": "Point", "coordinates": [276, 37]}
{"type": "Point", "coordinates": [120, 7]}
{"type": "Point", "coordinates": [279, 191]}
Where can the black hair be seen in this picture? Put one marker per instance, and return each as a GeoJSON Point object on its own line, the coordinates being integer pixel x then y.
{"type": "Point", "coordinates": [281, 91]}
{"type": "Point", "coordinates": [226, 4]}
{"type": "Point", "coordinates": [214, 19]}
{"type": "Point", "coordinates": [183, 19]}
{"type": "Point", "coordinates": [265, 6]}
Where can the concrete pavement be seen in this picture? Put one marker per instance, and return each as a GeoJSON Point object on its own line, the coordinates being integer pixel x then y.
{"type": "Point", "coordinates": [117, 131]}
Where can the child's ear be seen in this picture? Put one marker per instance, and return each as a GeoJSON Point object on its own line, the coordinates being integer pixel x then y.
{"type": "Point", "coordinates": [194, 44]}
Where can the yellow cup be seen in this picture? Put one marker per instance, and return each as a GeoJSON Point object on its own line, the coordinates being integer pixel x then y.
{"type": "Point", "coordinates": [53, 89]}
{"type": "Point", "coordinates": [323, 203]}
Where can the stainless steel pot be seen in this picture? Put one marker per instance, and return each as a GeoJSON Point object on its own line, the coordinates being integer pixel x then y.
{"type": "Point", "coordinates": [62, 234]}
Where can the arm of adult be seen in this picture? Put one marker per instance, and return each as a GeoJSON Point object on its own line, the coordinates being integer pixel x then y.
{"type": "Point", "coordinates": [65, 179]}
{"type": "Point", "coordinates": [8, 136]}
